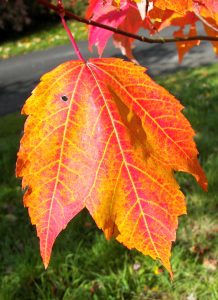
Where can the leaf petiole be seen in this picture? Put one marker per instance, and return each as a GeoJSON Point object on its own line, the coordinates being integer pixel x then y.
{"type": "Point", "coordinates": [67, 29]}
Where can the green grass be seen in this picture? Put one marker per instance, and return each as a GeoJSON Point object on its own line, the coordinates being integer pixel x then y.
{"type": "Point", "coordinates": [45, 37]}
{"type": "Point", "coordinates": [86, 266]}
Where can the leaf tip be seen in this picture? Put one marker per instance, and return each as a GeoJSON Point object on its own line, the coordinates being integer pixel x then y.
{"type": "Point", "coordinates": [45, 265]}
{"type": "Point", "coordinates": [202, 180]}
{"type": "Point", "coordinates": [204, 185]}
{"type": "Point", "coordinates": [45, 261]}
{"type": "Point", "coordinates": [171, 275]}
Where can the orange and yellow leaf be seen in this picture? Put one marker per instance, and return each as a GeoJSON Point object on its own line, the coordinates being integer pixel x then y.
{"type": "Point", "coordinates": [103, 135]}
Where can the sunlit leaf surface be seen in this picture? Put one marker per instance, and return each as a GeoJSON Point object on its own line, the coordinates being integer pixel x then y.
{"type": "Point", "coordinates": [103, 135]}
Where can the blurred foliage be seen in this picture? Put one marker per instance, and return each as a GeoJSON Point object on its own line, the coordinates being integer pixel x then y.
{"type": "Point", "coordinates": [11, 18]}
{"type": "Point", "coordinates": [17, 15]}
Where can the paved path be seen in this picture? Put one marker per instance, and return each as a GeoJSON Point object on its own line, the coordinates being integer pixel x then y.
{"type": "Point", "coordinates": [19, 75]}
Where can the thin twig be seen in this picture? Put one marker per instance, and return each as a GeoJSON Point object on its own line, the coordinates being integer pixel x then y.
{"type": "Point", "coordinates": [129, 34]}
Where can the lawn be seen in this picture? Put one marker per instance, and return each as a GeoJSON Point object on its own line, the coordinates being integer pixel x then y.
{"type": "Point", "coordinates": [46, 36]}
{"type": "Point", "coordinates": [86, 266]}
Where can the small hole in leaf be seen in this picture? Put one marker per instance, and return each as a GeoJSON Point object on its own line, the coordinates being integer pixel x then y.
{"type": "Point", "coordinates": [64, 98]}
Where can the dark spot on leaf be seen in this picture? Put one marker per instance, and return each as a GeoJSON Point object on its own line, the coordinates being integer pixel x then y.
{"type": "Point", "coordinates": [64, 98]}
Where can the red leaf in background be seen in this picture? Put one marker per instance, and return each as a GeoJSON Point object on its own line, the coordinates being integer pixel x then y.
{"type": "Point", "coordinates": [105, 14]}
{"type": "Point", "coordinates": [184, 47]}
{"type": "Point", "coordinates": [123, 42]}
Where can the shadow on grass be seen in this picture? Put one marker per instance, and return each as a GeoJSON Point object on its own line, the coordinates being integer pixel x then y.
{"type": "Point", "coordinates": [86, 266]}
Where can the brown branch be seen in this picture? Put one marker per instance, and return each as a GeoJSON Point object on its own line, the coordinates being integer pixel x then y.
{"type": "Point", "coordinates": [128, 34]}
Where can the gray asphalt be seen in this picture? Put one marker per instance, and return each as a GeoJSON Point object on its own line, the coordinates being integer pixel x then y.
{"type": "Point", "coordinates": [19, 75]}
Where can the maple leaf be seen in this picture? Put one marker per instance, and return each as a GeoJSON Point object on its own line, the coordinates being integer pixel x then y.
{"type": "Point", "coordinates": [103, 135]}
{"type": "Point", "coordinates": [123, 42]}
{"type": "Point", "coordinates": [184, 47]}
{"type": "Point", "coordinates": [105, 14]}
